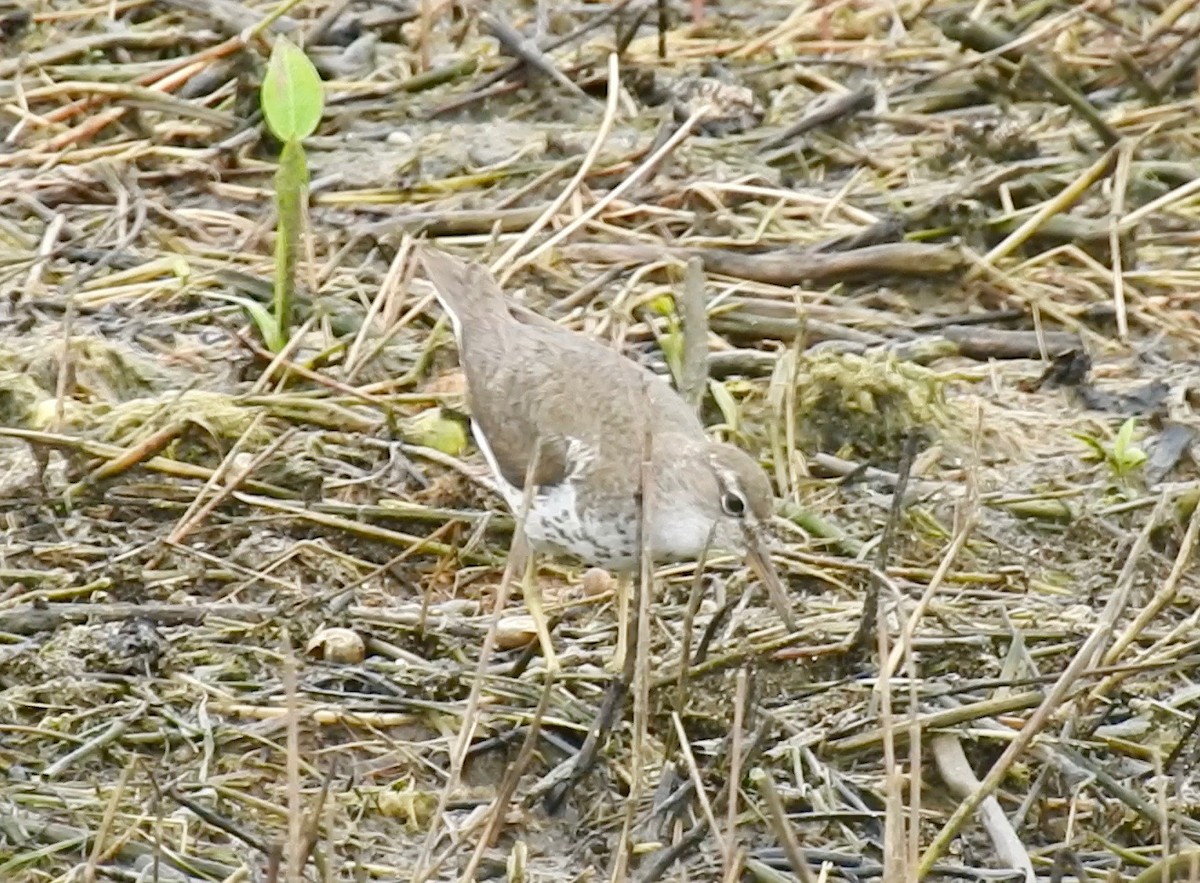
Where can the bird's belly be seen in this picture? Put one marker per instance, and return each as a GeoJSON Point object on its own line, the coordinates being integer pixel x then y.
{"type": "Point", "coordinates": [555, 524]}
{"type": "Point", "coordinates": [604, 534]}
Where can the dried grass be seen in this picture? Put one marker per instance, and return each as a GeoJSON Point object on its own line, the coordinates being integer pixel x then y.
{"type": "Point", "coordinates": [182, 511]}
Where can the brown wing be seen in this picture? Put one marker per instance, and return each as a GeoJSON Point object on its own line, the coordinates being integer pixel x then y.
{"type": "Point", "coordinates": [516, 445]}
{"type": "Point", "coordinates": [532, 381]}
{"type": "Point", "coordinates": [536, 388]}
{"type": "Point", "coordinates": [504, 382]}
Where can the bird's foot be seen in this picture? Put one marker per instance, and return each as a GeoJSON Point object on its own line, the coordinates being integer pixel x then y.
{"type": "Point", "coordinates": [533, 600]}
{"type": "Point", "coordinates": [616, 663]}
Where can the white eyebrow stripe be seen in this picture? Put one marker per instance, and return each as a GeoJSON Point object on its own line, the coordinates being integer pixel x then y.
{"type": "Point", "coordinates": [728, 481]}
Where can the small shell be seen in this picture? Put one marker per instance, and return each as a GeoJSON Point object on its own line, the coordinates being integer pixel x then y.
{"type": "Point", "coordinates": [515, 631]}
{"type": "Point", "coordinates": [597, 581]}
{"type": "Point", "coordinates": [337, 645]}
{"type": "Point", "coordinates": [727, 108]}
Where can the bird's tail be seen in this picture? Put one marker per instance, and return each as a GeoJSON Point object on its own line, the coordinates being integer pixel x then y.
{"type": "Point", "coordinates": [466, 291]}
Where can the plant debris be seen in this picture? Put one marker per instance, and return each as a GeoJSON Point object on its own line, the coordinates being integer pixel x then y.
{"type": "Point", "coordinates": [968, 228]}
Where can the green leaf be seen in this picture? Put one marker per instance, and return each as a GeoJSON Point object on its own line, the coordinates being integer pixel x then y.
{"type": "Point", "coordinates": [664, 304]}
{"type": "Point", "coordinates": [268, 329]}
{"type": "Point", "coordinates": [1135, 457]}
{"type": "Point", "coordinates": [292, 96]}
{"type": "Point", "coordinates": [726, 402]}
{"type": "Point", "coordinates": [1096, 449]}
{"type": "Point", "coordinates": [1124, 437]}
{"type": "Point", "coordinates": [671, 344]}
{"type": "Point", "coordinates": [432, 429]}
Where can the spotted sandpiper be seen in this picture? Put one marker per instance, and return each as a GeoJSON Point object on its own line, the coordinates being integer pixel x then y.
{"type": "Point", "coordinates": [573, 417]}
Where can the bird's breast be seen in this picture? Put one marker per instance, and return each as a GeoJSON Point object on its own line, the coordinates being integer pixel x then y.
{"type": "Point", "coordinates": [557, 522]}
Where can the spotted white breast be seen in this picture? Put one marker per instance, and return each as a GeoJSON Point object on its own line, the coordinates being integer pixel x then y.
{"type": "Point", "coordinates": [556, 524]}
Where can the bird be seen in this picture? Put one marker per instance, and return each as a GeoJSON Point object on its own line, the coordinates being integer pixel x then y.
{"type": "Point", "coordinates": [574, 419]}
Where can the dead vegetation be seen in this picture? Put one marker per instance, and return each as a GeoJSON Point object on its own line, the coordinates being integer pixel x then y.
{"type": "Point", "coordinates": [970, 225]}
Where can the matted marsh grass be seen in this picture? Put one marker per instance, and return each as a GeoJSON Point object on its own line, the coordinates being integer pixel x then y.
{"type": "Point", "coordinates": [986, 213]}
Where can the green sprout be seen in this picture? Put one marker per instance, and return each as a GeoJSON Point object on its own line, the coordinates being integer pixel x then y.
{"type": "Point", "coordinates": [292, 102]}
{"type": "Point", "coordinates": [1123, 457]}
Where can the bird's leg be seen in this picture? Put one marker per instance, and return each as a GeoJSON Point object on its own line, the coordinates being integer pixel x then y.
{"type": "Point", "coordinates": [612, 707]}
{"type": "Point", "coordinates": [533, 600]}
{"type": "Point", "coordinates": [621, 593]}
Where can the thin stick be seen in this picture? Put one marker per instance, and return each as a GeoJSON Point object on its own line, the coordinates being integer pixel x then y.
{"type": "Point", "coordinates": [424, 869]}
{"type": "Point", "coordinates": [621, 593]}
{"type": "Point", "coordinates": [956, 772]}
{"type": "Point", "coordinates": [1120, 185]}
{"type": "Point", "coordinates": [199, 509]}
{"type": "Point", "coordinates": [1186, 191]}
{"type": "Point", "coordinates": [65, 373]}
{"type": "Point", "coordinates": [391, 284]}
{"type": "Point", "coordinates": [904, 645]}
{"type": "Point", "coordinates": [106, 821]}
{"type": "Point", "coordinates": [46, 251]}
{"type": "Point", "coordinates": [740, 692]}
{"type": "Point", "coordinates": [638, 659]}
{"type": "Point", "coordinates": [1164, 596]}
{"type": "Point", "coordinates": [606, 123]}
{"type": "Point", "coordinates": [295, 843]}
{"type": "Point", "coordinates": [1078, 666]}
{"type": "Point", "coordinates": [1060, 203]}
{"type": "Point", "coordinates": [111, 734]}
{"type": "Point", "coordinates": [508, 786]}
{"type": "Point", "coordinates": [698, 786]}
{"type": "Point", "coordinates": [532, 593]}
{"type": "Point", "coordinates": [777, 816]}
{"type": "Point", "coordinates": [694, 313]}
{"type": "Point", "coordinates": [425, 29]}
{"type": "Point", "coordinates": [642, 171]}
{"type": "Point", "coordinates": [528, 52]}
{"type": "Point", "coordinates": [871, 604]}
{"type": "Point", "coordinates": [893, 823]}
{"type": "Point", "coordinates": [912, 853]}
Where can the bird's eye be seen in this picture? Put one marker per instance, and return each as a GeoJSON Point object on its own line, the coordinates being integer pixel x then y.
{"type": "Point", "coordinates": [733, 505]}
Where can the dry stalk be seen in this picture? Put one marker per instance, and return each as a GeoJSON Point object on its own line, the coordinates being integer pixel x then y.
{"type": "Point", "coordinates": [1084, 658]}
{"type": "Point", "coordinates": [424, 867]}
{"type": "Point", "coordinates": [649, 165]}
{"type": "Point", "coordinates": [726, 845]}
{"type": "Point", "coordinates": [508, 263]}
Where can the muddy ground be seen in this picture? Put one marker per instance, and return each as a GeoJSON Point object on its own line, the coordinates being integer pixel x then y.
{"type": "Point", "coordinates": [244, 594]}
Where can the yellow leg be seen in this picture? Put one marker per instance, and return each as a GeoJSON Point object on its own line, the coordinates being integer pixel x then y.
{"type": "Point", "coordinates": [621, 592]}
{"type": "Point", "coordinates": [533, 600]}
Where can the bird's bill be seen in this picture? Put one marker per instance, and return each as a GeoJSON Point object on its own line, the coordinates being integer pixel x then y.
{"type": "Point", "coordinates": [759, 559]}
